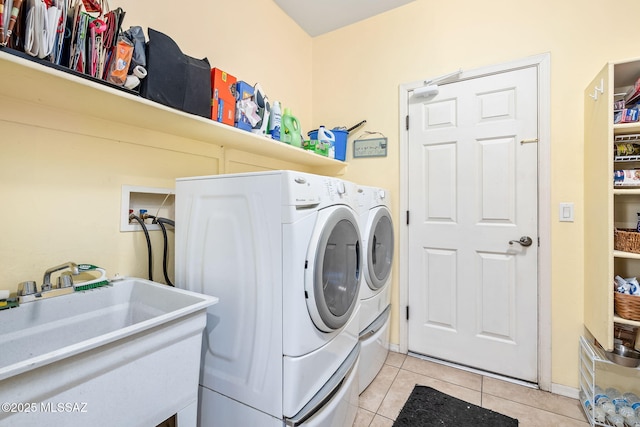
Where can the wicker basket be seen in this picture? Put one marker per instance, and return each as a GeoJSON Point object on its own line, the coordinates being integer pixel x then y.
{"type": "Point", "coordinates": [627, 306]}
{"type": "Point", "coordinates": [626, 240]}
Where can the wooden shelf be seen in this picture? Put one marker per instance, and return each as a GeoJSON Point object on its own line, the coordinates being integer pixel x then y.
{"type": "Point", "coordinates": [627, 255]}
{"type": "Point", "coordinates": [619, 319]}
{"type": "Point", "coordinates": [633, 191]}
{"type": "Point", "coordinates": [625, 128]}
{"type": "Point", "coordinates": [57, 89]}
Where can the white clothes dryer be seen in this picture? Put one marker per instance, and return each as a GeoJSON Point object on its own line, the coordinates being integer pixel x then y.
{"type": "Point", "coordinates": [282, 251]}
{"type": "Point", "coordinates": [376, 227]}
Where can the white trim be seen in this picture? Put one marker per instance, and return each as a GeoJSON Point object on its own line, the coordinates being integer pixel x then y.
{"type": "Point", "coordinates": [566, 391]}
{"type": "Point", "coordinates": [543, 64]}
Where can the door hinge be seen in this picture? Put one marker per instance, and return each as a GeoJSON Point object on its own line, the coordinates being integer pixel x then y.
{"type": "Point", "coordinates": [407, 312]}
{"type": "Point", "coordinates": [538, 242]}
{"type": "Point", "coordinates": [407, 217]}
{"type": "Point", "coordinates": [407, 121]}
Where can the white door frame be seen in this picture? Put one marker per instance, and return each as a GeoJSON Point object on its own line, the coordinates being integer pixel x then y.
{"type": "Point", "coordinates": [543, 64]}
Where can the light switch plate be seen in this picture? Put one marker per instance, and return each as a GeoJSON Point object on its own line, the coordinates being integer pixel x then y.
{"type": "Point", "coordinates": [566, 212]}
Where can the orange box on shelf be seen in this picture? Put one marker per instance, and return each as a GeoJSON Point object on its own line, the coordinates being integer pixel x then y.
{"type": "Point", "coordinates": [223, 100]}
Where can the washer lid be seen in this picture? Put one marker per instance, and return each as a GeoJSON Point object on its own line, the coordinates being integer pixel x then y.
{"type": "Point", "coordinates": [379, 255]}
{"type": "Point", "coordinates": [332, 281]}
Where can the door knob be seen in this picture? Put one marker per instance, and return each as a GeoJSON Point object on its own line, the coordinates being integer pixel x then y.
{"type": "Point", "coordinates": [524, 241]}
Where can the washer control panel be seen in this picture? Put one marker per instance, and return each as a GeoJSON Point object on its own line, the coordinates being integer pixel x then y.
{"type": "Point", "coordinates": [313, 190]}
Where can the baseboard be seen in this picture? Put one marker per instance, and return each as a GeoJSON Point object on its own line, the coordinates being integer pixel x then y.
{"type": "Point", "coordinates": [394, 347]}
{"type": "Point", "coordinates": [565, 391]}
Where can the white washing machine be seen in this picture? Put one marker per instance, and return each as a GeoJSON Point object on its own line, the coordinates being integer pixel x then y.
{"type": "Point", "coordinates": [282, 251]}
{"type": "Point", "coordinates": [376, 227]}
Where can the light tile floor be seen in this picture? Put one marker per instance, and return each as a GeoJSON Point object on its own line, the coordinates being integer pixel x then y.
{"type": "Point", "coordinates": [382, 401]}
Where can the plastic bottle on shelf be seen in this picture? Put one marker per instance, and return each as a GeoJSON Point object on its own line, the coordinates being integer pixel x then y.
{"type": "Point", "coordinates": [624, 409]}
{"type": "Point", "coordinates": [620, 403]}
{"type": "Point", "coordinates": [325, 136]}
{"type": "Point", "coordinates": [615, 396]}
{"type": "Point", "coordinates": [632, 421]}
{"type": "Point", "coordinates": [596, 412]}
{"type": "Point", "coordinates": [275, 120]}
{"type": "Point", "coordinates": [633, 399]}
{"type": "Point", "coordinates": [601, 400]}
{"type": "Point", "coordinates": [290, 129]}
{"type": "Point", "coordinates": [616, 420]}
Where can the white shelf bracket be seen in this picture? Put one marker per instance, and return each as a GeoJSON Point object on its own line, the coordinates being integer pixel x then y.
{"type": "Point", "coordinates": [598, 89]}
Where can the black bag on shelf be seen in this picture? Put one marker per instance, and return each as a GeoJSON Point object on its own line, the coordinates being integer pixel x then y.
{"type": "Point", "coordinates": [175, 79]}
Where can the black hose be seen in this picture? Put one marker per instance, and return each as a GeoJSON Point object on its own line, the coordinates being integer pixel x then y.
{"type": "Point", "coordinates": [146, 234]}
{"type": "Point", "coordinates": [161, 222]}
{"type": "Point", "coordinates": [167, 221]}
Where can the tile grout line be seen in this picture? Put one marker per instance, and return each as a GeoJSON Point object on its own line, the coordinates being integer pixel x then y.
{"type": "Point", "coordinates": [387, 392]}
{"type": "Point", "coordinates": [390, 385]}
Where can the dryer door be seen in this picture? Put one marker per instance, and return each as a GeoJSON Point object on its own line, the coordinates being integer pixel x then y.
{"type": "Point", "coordinates": [379, 247]}
{"type": "Point", "coordinates": [332, 281]}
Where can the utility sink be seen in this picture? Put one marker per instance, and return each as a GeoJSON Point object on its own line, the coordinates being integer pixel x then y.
{"type": "Point", "coordinates": [123, 354]}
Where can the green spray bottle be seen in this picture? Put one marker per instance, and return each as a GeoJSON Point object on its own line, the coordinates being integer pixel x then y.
{"type": "Point", "coordinates": [290, 129]}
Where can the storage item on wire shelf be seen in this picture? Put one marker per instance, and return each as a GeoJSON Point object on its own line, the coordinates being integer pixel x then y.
{"type": "Point", "coordinates": [626, 115]}
{"type": "Point", "coordinates": [625, 334]}
{"type": "Point", "coordinates": [626, 240]}
{"type": "Point", "coordinates": [626, 177]}
{"type": "Point", "coordinates": [627, 306]}
{"type": "Point", "coordinates": [633, 95]}
{"type": "Point", "coordinates": [627, 286]}
{"type": "Point", "coordinates": [627, 149]}
{"type": "Point", "coordinates": [623, 355]}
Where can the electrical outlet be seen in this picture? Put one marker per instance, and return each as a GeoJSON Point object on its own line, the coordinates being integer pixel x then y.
{"type": "Point", "coordinates": [160, 202]}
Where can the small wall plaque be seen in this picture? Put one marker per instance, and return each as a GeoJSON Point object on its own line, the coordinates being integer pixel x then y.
{"type": "Point", "coordinates": [372, 147]}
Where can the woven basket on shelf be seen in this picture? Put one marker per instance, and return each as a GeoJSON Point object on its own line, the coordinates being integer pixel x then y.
{"type": "Point", "coordinates": [627, 306]}
{"type": "Point", "coordinates": [626, 240]}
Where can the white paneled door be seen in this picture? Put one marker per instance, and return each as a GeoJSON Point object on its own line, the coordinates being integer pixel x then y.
{"type": "Point", "coordinates": [473, 224]}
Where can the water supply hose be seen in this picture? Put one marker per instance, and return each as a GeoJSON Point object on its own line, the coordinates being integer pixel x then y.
{"type": "Point", "coordinates": [146, 234]}
{"type": "Point", "coordinates": [161, 222]}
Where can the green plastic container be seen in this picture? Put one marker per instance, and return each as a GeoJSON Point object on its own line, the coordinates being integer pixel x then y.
{"type": "Point", "coordinates": [290, 129]}
{"type": "Point", "coordinates": [321, 148]}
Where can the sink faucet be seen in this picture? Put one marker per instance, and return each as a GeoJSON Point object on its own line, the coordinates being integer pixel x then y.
{"type": "Point", "coordinates": [46, 281]}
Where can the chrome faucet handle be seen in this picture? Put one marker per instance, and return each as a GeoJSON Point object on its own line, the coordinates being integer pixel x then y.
{"type": "Point", "coordinates": [65, 280]}
{"type": "Point", "coordinates": [46, 280]}
{"type": "Point", "coordinates": [27, 288]}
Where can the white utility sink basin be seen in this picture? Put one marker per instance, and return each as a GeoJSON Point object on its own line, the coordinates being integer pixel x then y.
{"type": "Point", "coordinates": [124, 354]}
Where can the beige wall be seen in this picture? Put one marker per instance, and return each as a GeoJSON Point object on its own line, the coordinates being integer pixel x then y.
{"type": "Point", "coordinates": [357, 71]}
{"type": "Point", "coordinates": [61, 188]}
